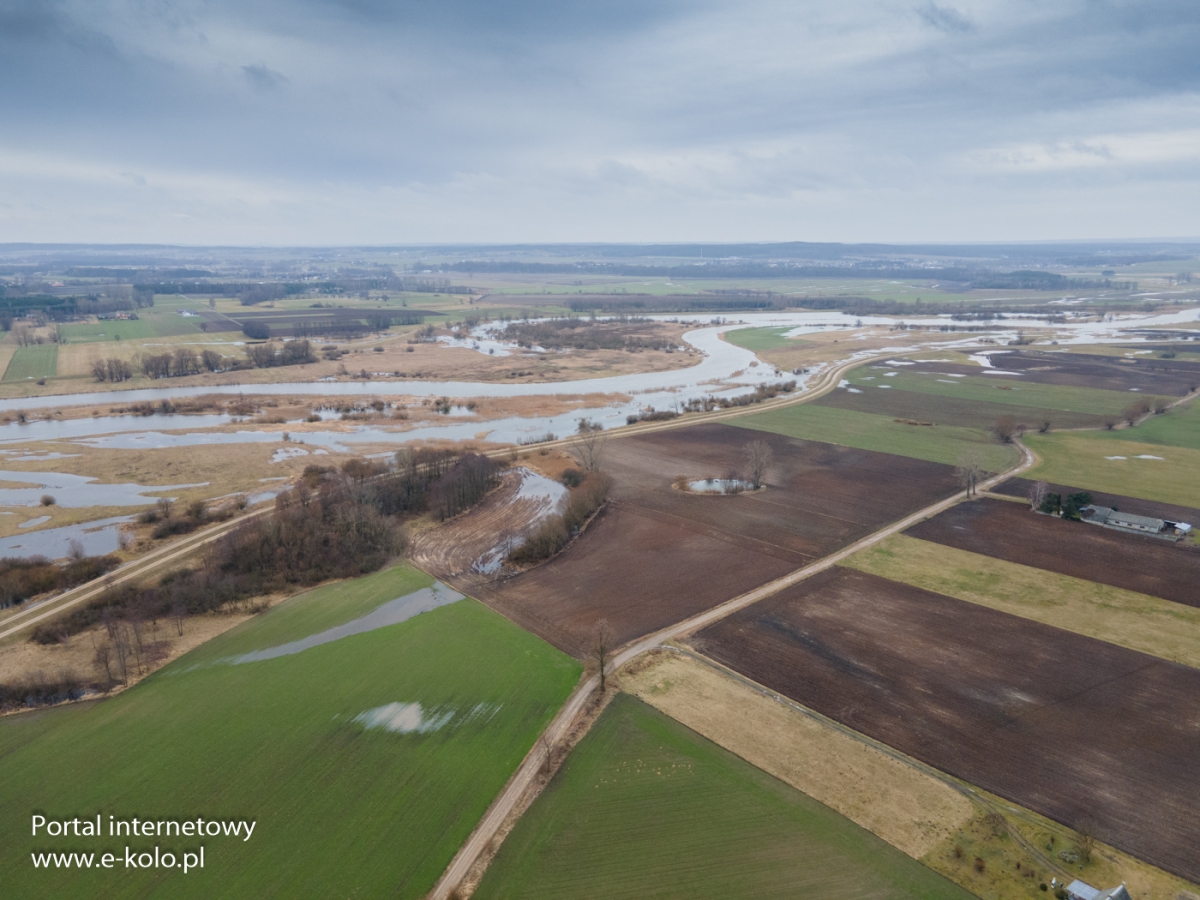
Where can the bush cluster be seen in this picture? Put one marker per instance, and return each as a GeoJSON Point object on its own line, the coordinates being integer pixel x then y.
{"type": "Point", "coordinates": [554, 533]}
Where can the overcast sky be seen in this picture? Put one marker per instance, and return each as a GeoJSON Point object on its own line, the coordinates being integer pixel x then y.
{"type": "Point", "coordinates": [386, 121]}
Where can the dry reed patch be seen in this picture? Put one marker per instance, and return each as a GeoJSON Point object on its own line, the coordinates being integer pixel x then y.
{"type": "Point", "coordinates": [911, 811]}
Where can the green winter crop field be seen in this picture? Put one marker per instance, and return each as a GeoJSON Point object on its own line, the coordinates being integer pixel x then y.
{"type": "Point", "coordinates": [341, 809]}
{"type": "Point", "coordinates": [36, 361]}
{"type": "Point", "coordinates": [948, 444]}
{"type": "Point", "coordinates": [646, 808]}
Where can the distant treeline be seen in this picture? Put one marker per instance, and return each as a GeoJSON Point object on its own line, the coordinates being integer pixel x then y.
{"type": "Point", "coordinates": [579, 334]}
{"type": "Point", "coordinates": [251, 293]}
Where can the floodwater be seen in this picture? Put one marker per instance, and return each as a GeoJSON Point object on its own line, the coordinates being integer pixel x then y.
{"type": "Point", "coordinates": [98, 538]}
{"type": "Point", "coordinates": [77, 491]}
{"type": "Point", "coordinates": [391, 613]}
{"type": "Point", "coordinates": [719, 486]}
{"type": "Point", "coordinates": [549, 497]}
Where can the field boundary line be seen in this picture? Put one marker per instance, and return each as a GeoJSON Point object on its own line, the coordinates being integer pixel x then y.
{"type": "Point", "coordinates": [508, 798]}
{"type": "Point", "coordinates": [956, 784]}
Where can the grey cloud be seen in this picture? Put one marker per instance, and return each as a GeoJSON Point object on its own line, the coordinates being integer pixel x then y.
{"type": "Point", "coordinates": [468, 105]}
{"type": "Point", "coordinates": [263, 78]}
{"type": "Point", "coordinates": [944, 18]}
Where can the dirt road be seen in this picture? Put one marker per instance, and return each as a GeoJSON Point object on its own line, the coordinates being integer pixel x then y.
{"type": "Point", "coordinates": [527, 773]}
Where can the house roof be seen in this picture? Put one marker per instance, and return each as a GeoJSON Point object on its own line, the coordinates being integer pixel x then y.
{"type": "Point", "coordinates": [1082, 890]}
{"type": "Point", "coordinates": [1130, 520]}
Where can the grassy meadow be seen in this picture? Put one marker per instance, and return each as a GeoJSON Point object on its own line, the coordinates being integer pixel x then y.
{"type": "Point", "coordinates": [341, 810]}
{"type": "Point", "coordinates": [947, 444]}
{"type": "Point", "coordinates": [1153, 471]}
{"type": "Point", "coordinates": [1138, 621]}
{"type": "Point", "coordinates": [35, 361]}
{"type": "Point", "coordinates": [646, 808]}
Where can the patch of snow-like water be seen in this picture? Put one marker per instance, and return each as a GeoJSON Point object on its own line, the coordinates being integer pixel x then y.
{"type": "Point", "coordinates": [1116, 457]}
{"type": "Point", "coordinates": [391, 613]}
{"type": "Point", "coordinates": [1001, 372]}
{"type": "Point", "coordinates": [546, 491]}
{"type": "Point", "coordinates": [31, 522]}
{"type": "Point", "coordinates": [1147, 456]}
{"type": "Point", "coordinates": [411, 718]}
{"type": "Point", "coordinates": [853, 390]}
{"type": "Point", "coordinates": [287, 453]}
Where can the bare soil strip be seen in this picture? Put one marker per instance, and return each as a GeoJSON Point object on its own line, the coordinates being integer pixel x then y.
{"type": "Point", "coordinates": [1073, 728]}
{"type": "Point", "coordinates": [1013, 532]}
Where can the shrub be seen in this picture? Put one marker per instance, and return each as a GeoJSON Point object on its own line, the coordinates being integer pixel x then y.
{"type": "Point", "coordinates": [48, 500]}
{"type": "Point", "coordinates": [572, 477]}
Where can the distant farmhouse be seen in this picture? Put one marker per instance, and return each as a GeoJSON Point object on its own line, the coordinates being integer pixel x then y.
{"type": "Point", "coordinates": [1111, 518]}
{"type": "Point", "coordinates": [1078, 890]}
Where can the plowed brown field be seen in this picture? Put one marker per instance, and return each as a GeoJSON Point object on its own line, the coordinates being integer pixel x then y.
{"type": "Point", "coordinates": [1012, 532]}
{"type": "Point", "coordinates": [1074, 728]}
{"type": "Point", "coordinates": [658, 555]}
{"type": "Point", "coordinates": [1147, 376]}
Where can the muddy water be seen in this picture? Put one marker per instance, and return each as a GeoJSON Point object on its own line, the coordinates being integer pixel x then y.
{"type": "Point", "coordinates": [391, 613]}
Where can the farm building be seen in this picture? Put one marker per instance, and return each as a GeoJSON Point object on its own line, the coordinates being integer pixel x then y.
{"type": "Point", "coordinates": [1079, 890]}
{"type": "Point", "coordinates": [1111, 518]}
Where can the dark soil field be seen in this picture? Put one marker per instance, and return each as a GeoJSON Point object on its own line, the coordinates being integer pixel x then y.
{"type": "Point", "coordinates": [1149, 376]}
{"type": "Point", "coordinates": [1074, 728]}
{"type": "Point", "coordinates": [1019, 487]}
{"type": "Point", "coordinates": [658, 555]}
{"type": "Point", "coordinates": [1012, 532]}
{"type": "Point", "coordinates": [952, 410]}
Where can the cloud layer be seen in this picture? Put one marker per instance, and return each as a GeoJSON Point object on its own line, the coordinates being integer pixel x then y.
{"type": "Point", "coordinates": [377, 121]}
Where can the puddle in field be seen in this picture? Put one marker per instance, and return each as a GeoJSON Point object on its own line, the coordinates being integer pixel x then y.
{"type": "Point", "coordinates": [719, 486]}
{"type": "Point", "coordinates": [1116, 457]}
{"type": "Point", "coordinates": [1148, 456]}
{"type": "Point", "coordinates": [391, 613]}
{"type": "Point", "coordinates": [411, 718]}
{"type": "Point", "coordinates": [29, 523]}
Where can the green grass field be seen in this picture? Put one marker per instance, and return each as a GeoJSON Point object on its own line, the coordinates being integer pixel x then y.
{"type": "Point", "coordinates": [36, 361]}
{"type": "Point", "coordinates": [1180, 427]}
{"type": "Point", "coordinates": [947, 444]}
{"type": "Point", "coordinates": [1081, 459]}
{"type": "Point", "coordinates": [1138, 621]}
{"type": "Point", "coordinates": [980, 387]}
{"type": "Point", "coordinates": [341, 811]}
{"type": "Point", "coordinates": [759, 340]}
{"type": "Point", "coordinates": [646, 808]}
{"type": "Point", "coordinates": [151, 324]}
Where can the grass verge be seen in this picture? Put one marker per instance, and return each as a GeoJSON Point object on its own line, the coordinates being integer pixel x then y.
{"type": "Point", "coordinates": [1147, 624]}
{"type": "Point", "coordinates": [35, 361]}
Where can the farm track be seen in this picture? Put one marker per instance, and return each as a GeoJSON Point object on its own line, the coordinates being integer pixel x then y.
{"type": "Point", "coordinates": [563, 723]}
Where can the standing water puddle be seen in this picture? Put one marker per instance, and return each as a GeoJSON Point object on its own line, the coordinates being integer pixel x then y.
{"type": "Point", "coordinates": [391, 613]}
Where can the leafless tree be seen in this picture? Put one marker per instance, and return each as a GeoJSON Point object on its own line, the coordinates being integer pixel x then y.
{"type": "Point", "coordinates": [758, 456]}
{"type": "Point", "coordinates": [1005, 429]}
{"type": "Point", "coordinates": [1085, 840]}
{"type": "Point", "coordinates": [590, 446]}
{"type": "Point", "coordinates": [969, 472]}
{"type": "Point", "coordinates": [103, 663]}
{"type": "Point", "coordinates": [1037, 494]}
{"type": "Point", "coordinates": [75, 549]}
{"type": "Point", "coordinates": [602, 642]}
{"type": "Point", "coordinates": [546, 748]}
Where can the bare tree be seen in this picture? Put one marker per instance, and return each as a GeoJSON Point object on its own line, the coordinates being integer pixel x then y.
{"type": "Point", "coordinates": [546, 748]}
{"type": "Point", "coordinates": [103, 664]}
{"type": "Point", "coordinates": [1037, 494]}
{"type": "Point", "coordinates": [590, 446]}
{"type": "Point", "coordinates": [758, 456]}
{"type": "Point", "coordinates": [1005, 429]}
{"type": "Point", "coordinates": [602, 642]}
{"type": "Point", "coordinates": [1085, 840]}
{"type": "Point", "coordinates": [75, 549]}
{"type": "Point", "coordinates": [969, 472]}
